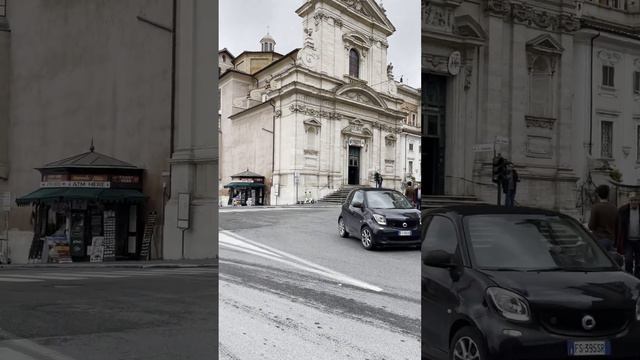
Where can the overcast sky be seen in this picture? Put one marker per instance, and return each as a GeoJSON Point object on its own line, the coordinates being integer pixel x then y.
{"type": "Point", "coordinates": [244, 22]}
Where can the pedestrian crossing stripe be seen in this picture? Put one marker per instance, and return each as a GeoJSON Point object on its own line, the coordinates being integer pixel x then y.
{"type": "Point", "coordinates": [59, 276]}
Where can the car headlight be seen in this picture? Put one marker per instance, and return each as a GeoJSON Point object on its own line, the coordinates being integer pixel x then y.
{"type": "Point", "coordinates": [638, 309]}
{"type": "Point", "coordinates": [380, 219]}
{"type": "Point", "coordinates": [510, 305]}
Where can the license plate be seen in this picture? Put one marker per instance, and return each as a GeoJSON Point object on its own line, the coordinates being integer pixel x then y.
{"type": "Point", "coordinates": [589, 348]}
{"type": "Point", "coordinates": [405, 233]}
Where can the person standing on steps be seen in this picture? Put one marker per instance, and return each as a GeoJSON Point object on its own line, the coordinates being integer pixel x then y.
{"type": "Point", "coordinates": [604, 217]}
{"type": "Point", "coordinates": [378, 179]}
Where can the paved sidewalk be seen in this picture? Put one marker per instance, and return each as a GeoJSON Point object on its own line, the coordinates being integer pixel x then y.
{"type": "Point", "coordinates": [277, 207]}
{"type": "Point", "coordinates": [121, 264]}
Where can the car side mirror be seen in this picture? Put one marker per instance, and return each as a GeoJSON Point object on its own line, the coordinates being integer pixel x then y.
{"type": "Point", "coordinates": [619, 259]}
{"type": "Point", "coordinates": [439, 259]}
{"type": "Point", "coordinates": [358, 205]}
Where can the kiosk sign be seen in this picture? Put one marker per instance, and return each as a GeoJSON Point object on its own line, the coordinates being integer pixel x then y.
{"type": "Point", "coordinates": [76, 184]}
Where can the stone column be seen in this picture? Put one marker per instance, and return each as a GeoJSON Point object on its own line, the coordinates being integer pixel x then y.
{"type": "Point", "coordinates": [5, 58]}
{"type": "Point", "coordinates": [195, 157]}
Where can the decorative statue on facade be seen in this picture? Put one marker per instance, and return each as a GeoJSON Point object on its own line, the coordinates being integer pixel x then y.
{"type": "Point", "coordinates": [390, 71]}
{"type": "Point", "coordinates": [308, 56]}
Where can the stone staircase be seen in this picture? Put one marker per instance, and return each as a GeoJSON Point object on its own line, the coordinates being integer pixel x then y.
{"type": "Point", "coordinates": [338, 197]}
{"type": "Point", "coordinates": [436, 201]}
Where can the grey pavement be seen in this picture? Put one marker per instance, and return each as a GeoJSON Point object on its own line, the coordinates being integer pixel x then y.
{"type": "Point", "coordinates": [118, 264]}
{"type": "Point", "coordinates": [110, 313]}
{"type": "Point", "coordinates": [291, 286]}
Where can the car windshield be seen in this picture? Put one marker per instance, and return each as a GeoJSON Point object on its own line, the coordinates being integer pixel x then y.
{"type": "Point", "coordinates": [387, 200]}
{"type": "Point", "coordinates": [533, 243]}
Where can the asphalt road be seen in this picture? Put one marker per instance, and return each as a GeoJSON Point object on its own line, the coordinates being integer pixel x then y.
{"type": "Point", "coordinates": [291, 288]}
{"type": "Point", "coordinates": [108, 314]}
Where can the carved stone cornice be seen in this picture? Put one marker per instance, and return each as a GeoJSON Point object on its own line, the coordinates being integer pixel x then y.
{"type": "Point", "coordinates": [435, 63]}
{"type": "Point", "coordinates": [301, 108]}
{"type": "Point", "coordinates": [609, 58]}
{"type": "Point", "coordinates": [539, 122]}
{"type": "Point", "coordinates": [322, 15]}
{"type": "Point", "coordinates": [437, 17]}
{"type": "Point", "coordinates": [498, 8]}
{"type": "Point", "coordinates": [524, 13]}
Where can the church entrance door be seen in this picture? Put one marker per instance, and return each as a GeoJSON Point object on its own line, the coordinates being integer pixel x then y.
{"type": "Point", "coordinates": [354, 165]}
{"type": "Point", "coordinates": [433, 134]}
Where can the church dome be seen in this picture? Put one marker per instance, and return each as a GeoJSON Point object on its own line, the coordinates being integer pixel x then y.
{"type": "Point", "coordinates": [268, 43]}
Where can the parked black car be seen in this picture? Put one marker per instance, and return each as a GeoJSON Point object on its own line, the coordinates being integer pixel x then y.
{"type": "Point", "coordinates": [522, 283]}
{"type": "Point", "coordinates": [380, 217]}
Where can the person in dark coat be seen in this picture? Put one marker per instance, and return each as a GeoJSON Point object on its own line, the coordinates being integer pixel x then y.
{"type": "Point", "coordinates": [509, 185]}
{"type": "Point", "coordinates": [410, 193]}
{"type": "Point", "coordinates": [628, 234]}
{"type": "Point", "coordinates": [378, 179]}
{"type": "Point", "coordinates": [603, 219]}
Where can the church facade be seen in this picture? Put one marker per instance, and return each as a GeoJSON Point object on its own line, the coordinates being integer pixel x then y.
{"type": "Point", "coordinates": [549, 85]}
{"type": "Point", "coordinates": [324, 116]}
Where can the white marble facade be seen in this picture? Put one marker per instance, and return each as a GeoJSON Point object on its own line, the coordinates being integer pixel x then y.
{"type": "Point", "coordinates": [520, 72]}
{"type": "Point", "coordinates": [300, 116]}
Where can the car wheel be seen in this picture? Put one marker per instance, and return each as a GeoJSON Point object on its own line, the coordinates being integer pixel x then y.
{"type": "Point", "coordinates": [366, 237]}
{"type": "Point", "coordinates": [468, 344]}
{"type": "Point", "coordinates": [342, 229]}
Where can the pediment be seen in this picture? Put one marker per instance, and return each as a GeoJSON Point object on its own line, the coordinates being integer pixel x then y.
{"type": "Point", "coordinates": [546, 44]}
{"type": "Point", "coordinates": [312, 122]}
{"type": "Point", "coordinates": [467, 26]}
{"type": "Point", "coordinates": [368, 12]}
{"type": "Point", "coordinates": [357, 128]}
{"type": "Point", "coordinates": [353, 38]}
{"type": "Point", "coordinates": [369, 9]}
{"type": "Point", "coordinates": [362, 95]}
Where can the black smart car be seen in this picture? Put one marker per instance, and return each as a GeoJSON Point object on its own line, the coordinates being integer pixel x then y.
{"type": "Point", "coordinates": [522, 283]}
{"type": "Point", "coordinates": [380, 217]}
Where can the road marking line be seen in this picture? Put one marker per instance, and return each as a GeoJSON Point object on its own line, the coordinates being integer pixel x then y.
{"type": "Point", "coordinates": [7, 353]}
{"type": "Point", "coordinates": [90, 275]}
{"type": "Point", "coordinates": [34, 347]}
{"type": "Point", "coordinates": [4, 279]}
{"type": "Point", "coordinates": [300, 264]}
{"type": "Point", "coordinates": [46, 277]}
{"type": "Point", "coordinates": [233, 240]}
{"type": "Point", "coordinates": [31, 347]}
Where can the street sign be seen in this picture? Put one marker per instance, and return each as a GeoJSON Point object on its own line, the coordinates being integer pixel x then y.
{"type": "Point", "coordinates": [482, 147]}
{"type": "Point", "coordinates": [502, 140]}
{"type": "Point", "coordinates": [5, 201]}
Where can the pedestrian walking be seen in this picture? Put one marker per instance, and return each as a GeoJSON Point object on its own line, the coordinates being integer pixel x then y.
{"type": "Point", "coordinates": [603, 219]}
{"type": "Point", "coordinates": [628, 234]}
{"type": "Point", "coordinates": [410, 193]}
{"type": "Point", "coordinates": [509, 184]}
{"type": "Point", "coordinates": [419, 196]}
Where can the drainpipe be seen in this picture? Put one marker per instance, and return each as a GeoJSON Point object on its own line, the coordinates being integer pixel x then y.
{"type": "Point", "coordinates": [591, 98]}
{"type": "Point", "coordinates": [273, 142]}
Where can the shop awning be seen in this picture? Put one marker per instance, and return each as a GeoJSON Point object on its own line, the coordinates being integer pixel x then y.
{"type": "Point", "coordinates": [244, 185]}
{"type": "Point", "coordinates": [50, 195]}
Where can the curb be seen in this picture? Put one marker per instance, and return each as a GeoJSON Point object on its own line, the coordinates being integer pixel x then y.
{"type": "Point", "coordinates": [293, 207]}
{"type": "Point", "coordinates": [108, 266]}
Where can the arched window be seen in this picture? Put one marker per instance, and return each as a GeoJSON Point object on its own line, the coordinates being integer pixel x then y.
{"type": "Point", "coordinates": [311, 138]}
{"type": "Point", "coordinates": [354, 63]}
{"type": "Point", "coordinates": [541, 100]}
